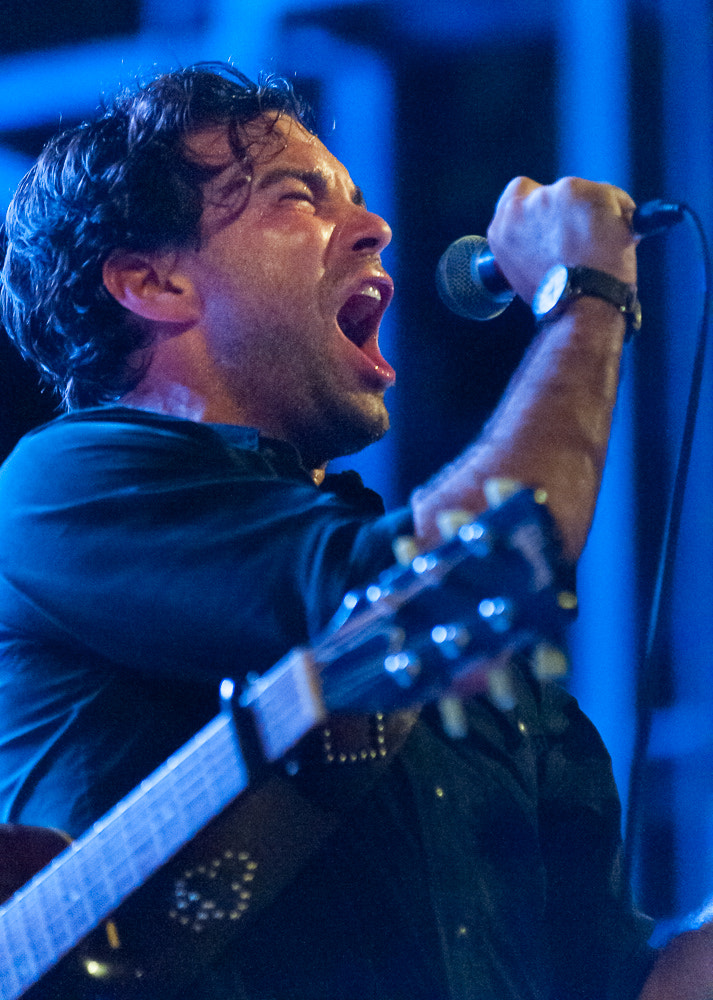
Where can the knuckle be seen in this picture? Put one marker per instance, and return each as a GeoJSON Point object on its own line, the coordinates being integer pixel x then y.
{"type": "Point", "coordinates": [570, 188]}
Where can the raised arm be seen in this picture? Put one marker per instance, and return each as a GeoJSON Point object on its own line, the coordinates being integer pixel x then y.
{"type": "Point", "coordinates": [551, 429]}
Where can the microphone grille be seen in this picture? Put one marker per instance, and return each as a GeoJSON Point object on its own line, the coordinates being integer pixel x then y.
{"type": "Point", "coordinates": [459, 285]}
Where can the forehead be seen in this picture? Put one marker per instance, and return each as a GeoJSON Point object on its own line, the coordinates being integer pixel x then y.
{"type": "Point", "coordinates": [271, 142]}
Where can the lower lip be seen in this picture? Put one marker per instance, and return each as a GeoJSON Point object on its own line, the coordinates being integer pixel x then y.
{"type": "Point", "coordinates": [375, 367]}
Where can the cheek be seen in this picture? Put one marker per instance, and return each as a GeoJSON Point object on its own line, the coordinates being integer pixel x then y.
{"type": "Point", "coordinates": [300, 251]}
{"type": "Point", "coordinates": [293, 269]}
{"type": "Point", "coordinates": [279, 272]}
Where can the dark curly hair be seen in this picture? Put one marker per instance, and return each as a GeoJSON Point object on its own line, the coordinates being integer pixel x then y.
{"type": "Point", "coordinates": [123, 181]}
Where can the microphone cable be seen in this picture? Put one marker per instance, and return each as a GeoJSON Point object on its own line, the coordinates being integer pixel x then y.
{"type": "Point", "coordinates": [664, 575]}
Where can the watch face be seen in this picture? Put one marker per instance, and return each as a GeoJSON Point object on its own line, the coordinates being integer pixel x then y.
{"type": "Point", "coordinates": [550, 291]}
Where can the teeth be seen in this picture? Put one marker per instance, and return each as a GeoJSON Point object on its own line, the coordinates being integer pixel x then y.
{"type": "Point", "coordinates": [372, 291]}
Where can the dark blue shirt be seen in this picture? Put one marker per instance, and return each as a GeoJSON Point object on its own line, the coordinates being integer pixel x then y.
{"type": "Point", "coordinates": [142, 559]}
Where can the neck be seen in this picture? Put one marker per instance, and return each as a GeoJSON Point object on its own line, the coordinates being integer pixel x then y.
{"type": "Point", "coordinates": [177, 398]}
{"type": "Point", "coordinates": [178, 401]}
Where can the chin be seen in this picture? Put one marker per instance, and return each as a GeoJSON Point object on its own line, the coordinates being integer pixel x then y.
{"type": "Point", "coordinates": [344, 435]}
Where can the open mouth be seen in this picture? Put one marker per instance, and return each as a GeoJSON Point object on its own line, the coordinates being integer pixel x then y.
{"type": "Point", "coordinates": [359, 317]}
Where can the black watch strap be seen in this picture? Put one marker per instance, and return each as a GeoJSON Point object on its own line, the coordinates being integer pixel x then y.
{"type": "Point", "coordinates": [588, 281]}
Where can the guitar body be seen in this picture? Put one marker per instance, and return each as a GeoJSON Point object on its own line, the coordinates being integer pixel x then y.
{"type": "Point", "coordinates": [24, 851]}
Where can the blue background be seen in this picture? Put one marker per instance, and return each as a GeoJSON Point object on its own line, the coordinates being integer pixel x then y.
{"type": "Point", "coordinates": [434, 107]}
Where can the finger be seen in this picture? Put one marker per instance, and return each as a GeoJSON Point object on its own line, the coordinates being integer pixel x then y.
{"type": "Point", "coordinates": [517, 190]}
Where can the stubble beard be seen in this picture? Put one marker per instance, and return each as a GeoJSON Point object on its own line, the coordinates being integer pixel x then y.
{"type": "Point", "coordinates": [321, 418]}
{"type": "Point", "coordinates": [341, 430]}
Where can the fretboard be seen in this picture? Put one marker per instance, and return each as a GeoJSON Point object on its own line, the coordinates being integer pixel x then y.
{"type": "Point", "coordinates": [87, 881]}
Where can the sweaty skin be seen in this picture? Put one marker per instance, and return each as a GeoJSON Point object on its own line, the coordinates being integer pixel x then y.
{"type": "Point", "coordinates": [273, 322]}
{"type": "Point", "coordinates": [261, 326]}
{"type": "Point", "coordinates": [551, 429]}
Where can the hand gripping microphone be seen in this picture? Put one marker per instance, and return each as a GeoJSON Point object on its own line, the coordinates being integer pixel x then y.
{"type": "Point", "coordinates": [471, 284]}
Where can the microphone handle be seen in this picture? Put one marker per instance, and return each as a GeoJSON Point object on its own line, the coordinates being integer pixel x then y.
{"type": "Point", "coordinates": [649, 219]}
{"type": "Point", "coordinates": [471, 284]}
{"type": "Point", "coordinates": [656, 217]}
{"type": "Point", "coordinates": [489, 273]}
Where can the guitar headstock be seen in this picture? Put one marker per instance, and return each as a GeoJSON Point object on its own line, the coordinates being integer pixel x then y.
{"type": "Point", "coordinates": [496, 586]}
{"type": "Point", "coordinates": [443, 624]}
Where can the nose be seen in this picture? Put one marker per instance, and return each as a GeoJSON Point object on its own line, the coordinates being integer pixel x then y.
{"type": "Point", "coordinates": [370, 232]}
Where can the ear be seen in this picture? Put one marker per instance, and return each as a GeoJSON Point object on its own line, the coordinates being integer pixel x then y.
{"type": "Point", "coordinates": [151, 286]}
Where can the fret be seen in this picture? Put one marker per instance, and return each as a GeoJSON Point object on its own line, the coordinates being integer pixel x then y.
{"type": "Point", "coordinates": [12, 983]}
{"type": "Point", "coordinates": [24, 930]}
{"type": "Point", "coordinates": [23, 967]}
{"type": "Point", "coordinates": [56, 903]}
{"type": "Point", "coordinates": [138, 851]}
{"type": "Point", "coordinates": [78, 873]}
{"type": "Point", "coordinates": [88, 880]}
{"type": "Point", "coordinates": [97, 890]}
{"type": "Point", "coordinates": [286, 703]}
{"type": "Point", "coordinates": [44, 941]}
{"type": "Point", "coordinates": [60, 930]}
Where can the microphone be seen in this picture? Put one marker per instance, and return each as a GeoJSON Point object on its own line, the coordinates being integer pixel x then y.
{"type": "Point", "coordinates": [471, 284]}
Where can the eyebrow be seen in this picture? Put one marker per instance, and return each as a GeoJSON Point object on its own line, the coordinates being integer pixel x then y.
{"type": "Point", "coordinates": [314, 179]}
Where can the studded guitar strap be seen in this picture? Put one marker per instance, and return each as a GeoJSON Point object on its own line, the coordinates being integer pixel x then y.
{"type": "Point", "coordinates": [195, 907]}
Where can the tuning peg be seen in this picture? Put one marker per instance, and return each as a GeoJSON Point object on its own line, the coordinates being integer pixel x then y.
{"type": "Point", "coordinates": [451, 640]}
{"type": "Point", "coordinates": [548, 662]}
{"type": "Point", "coordinates": [497, 612]}
{"type": "Point", "coordinates": [500, 689]}
{"type": "Point", "coordinates": [449, 522]}
{"type": "Point", "coordinates": [498, 489]}
{"type": "Point", "coordinates": [567, 600]}
{"type": "Point", "coordinates": [478, 539]}
{"type": "Point", "coordinates": [405, 549]}
{"type": "Point", "coordinates": [403, 668]}
{"type": "Point", "coordinates": [453, 718]}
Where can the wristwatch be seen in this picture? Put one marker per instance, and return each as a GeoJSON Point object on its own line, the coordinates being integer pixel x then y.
{"type": "Point", "coordinates": [562, 285]}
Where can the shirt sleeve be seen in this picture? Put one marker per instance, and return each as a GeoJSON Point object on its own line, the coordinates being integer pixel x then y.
{"type": "Point", "coordinates": [150, 543]}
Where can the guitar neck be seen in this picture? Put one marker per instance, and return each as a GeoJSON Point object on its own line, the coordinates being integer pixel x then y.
{"type": "Point", "coordinates": [85, 883]}
{"type": "Point", "coordinates": [381, 653]}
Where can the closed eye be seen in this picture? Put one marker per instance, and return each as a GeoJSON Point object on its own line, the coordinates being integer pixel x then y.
{"type": "Point", "coordinates": [298, 200]}
{"type": "Point", "coordinates": [295, 185]}
{"type": "Point", "coordinates": [297, 196]}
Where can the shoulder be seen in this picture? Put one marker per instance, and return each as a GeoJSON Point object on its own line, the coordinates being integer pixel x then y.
{"type": "Point", "coordinates": [115, 444]}
{"type": "Point", "coordinates": [118, 425]}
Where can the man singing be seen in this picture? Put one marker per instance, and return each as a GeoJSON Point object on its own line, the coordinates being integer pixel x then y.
{"type": "Point", "coordinates": [202, 282]}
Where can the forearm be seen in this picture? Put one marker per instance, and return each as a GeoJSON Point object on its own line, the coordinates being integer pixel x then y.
{"type": "Point", "coordinates": [550, 431]}
{"type": "Point", "coordinates": [684, 969]}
